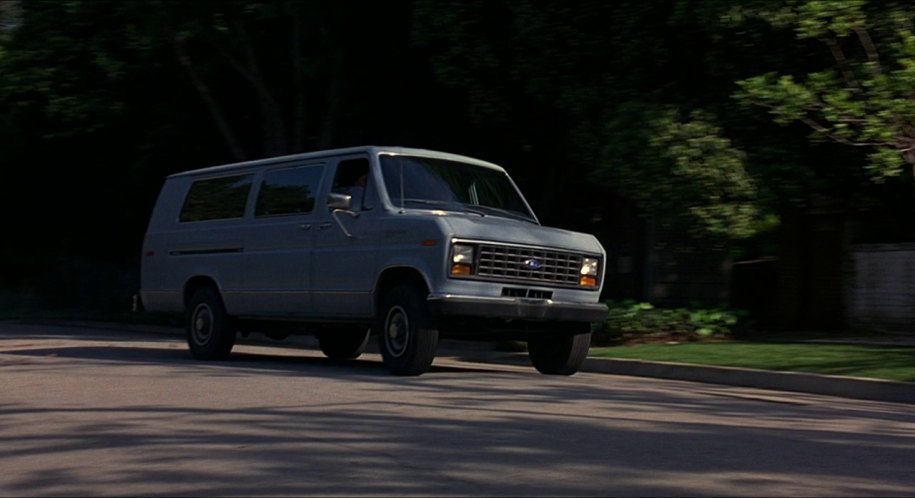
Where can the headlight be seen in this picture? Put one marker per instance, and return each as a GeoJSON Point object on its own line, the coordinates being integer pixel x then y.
{"type": "Point", "coordinates": [462, 259]}
{"type": "Point", "coordinates": [589, 271]}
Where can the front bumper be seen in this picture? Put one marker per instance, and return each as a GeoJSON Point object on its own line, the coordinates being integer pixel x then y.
{"type": "Point", "coordinates": [513, 308]}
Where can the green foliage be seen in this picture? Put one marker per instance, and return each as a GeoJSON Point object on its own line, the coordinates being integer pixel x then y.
{"type": "Point", "coordinates": [645, 110]}
{"type": "Point", "coordinates": [52, 67]}
{"type": "Point", "coordinates": [639, 103]}
{"type": "Point", "coordinates": [864, 97]}
{"type": "Point", "coordinates": [633, 320]}
{"type": "Point", "coordinates": [684, 173]}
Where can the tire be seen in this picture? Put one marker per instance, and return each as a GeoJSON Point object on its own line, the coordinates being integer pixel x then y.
{"type": "Point", "coordinates": [559, 354]}
{"type": "Point", "coordinates": [407, 336]}
{"type": "Point", "coordinates": [343, 344]}
{"type": "Point", "coordinates": [210, 331]}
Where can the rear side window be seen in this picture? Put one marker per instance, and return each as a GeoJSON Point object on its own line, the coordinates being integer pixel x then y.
{"type": "Point", "coordinates": [217, 198]}
{"type": "Point", "coordinates": [289, 191]}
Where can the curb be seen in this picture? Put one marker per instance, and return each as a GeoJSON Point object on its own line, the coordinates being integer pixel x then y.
{"type": "Point", "coordinates": [831, 385]}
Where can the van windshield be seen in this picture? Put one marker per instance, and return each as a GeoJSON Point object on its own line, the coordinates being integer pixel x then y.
{"type": "Point", "coordinates": [428, 183]}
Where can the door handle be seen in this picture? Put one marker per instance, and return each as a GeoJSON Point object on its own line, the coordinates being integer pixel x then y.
{"type": "Point", "coordinates": [305, 227]}
{"type": "Point", "coordinates": [324, 226]}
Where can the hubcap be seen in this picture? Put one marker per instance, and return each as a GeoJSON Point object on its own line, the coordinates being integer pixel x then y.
{"type": "Point", "coordinates": [397, 332]}
{"type": "Point", "coordinates": [202, 324]}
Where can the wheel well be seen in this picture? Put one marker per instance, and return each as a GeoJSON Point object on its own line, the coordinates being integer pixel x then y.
{"type": "Point", "coordinates": [392, 277]}
{"type": "Point", "coordinates": [196, 283]}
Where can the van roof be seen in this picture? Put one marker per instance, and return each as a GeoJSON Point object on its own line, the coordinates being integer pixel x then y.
{"type": "Point", "coordinates": [370, 149]}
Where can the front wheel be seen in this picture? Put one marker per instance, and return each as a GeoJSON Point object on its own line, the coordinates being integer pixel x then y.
{"type": "Point", "coordinates": [343, 344]}
{"type": "Point", "coordinates": [559, 354]}
{"type": "Point", "coordinates": [210, 330]}
{"type": "Point", "coordinates": [406, 335]}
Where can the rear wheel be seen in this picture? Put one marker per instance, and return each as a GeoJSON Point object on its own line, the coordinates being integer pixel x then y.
{"type": "Point", "coordinates": [559, 354]}
{"type": "Point", "coordinates": [210, 330]}
{"type": "Point", "coordinates": [407, 336]}
{"type": "Point", "coordinates": [344, 343]}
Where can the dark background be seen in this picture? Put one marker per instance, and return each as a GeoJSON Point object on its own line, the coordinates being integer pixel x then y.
{"type": "Point", "coordinates": [101, 99]}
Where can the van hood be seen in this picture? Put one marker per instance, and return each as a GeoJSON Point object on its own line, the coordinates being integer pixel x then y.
{"type": "Point", "coordinates": [509, 231]}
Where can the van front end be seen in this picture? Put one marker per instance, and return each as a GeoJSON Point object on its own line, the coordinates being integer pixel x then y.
{"type": "Point", "coordinates": [510, 286]}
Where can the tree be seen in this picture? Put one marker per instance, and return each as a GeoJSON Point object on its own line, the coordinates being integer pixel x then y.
{"type": "Point", "coordinates": [272, 76]}
{"type": "Point", "coordinates": [100, 99]}
{"type": "Point", "coordinates": [682, 172]}
{"type": "Point", "coordinates": [262, 44]}
{"type": "Point", "coordinates": [865, 96]}
{"type": "Point", "coordinates": [632, 107]}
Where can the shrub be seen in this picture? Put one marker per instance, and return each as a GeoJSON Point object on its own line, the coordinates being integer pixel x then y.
{"type": "Point", "coordinates": [631, 320]}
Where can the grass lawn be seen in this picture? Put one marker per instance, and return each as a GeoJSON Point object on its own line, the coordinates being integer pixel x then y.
{"type": "Point", "coordinates": [880, 362]}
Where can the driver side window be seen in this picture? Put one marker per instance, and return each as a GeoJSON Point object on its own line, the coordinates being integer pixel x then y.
{"type": "Point", "coordinates": [352, 179]}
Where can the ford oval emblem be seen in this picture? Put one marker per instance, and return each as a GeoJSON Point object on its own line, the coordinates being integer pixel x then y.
{"type": "Point", "coordinates": [533, 264]}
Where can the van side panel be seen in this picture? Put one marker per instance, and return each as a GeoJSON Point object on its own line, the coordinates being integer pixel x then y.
{"type": "Point", "coordinates": [155, 272]}
{"type": "Point", "coordinates": [344, 267]}
{"type": "Point", "coordinates": [212, 249]}
{"type": "Point", "coordinates": [278, 240]}
{"type": "Point", "coordinates": [174, 253]}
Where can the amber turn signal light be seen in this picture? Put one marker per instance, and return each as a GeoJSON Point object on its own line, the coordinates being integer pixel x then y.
{"type": "Point", "coordinates": [462, 269]}
{"type": "Point", "coordinates": [587, 281]}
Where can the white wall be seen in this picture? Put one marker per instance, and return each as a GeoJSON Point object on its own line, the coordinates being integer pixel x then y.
{"type": "Point", "coordinates": [880, 288]}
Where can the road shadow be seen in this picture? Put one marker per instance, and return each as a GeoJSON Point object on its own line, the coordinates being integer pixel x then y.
{"type": "Point", "coordinates": [406, 449]}
{"type": "Point", "coordinates": [244, 361]}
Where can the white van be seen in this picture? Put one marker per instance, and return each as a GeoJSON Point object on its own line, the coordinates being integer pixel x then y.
{"type": "Point", "coordinates": [408, 244]}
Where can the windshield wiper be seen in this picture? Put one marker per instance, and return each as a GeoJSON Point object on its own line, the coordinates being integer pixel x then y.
{"type": "Point", "coordinates": [503, 212]}
{"type": "Point", "coordinates": [474, 210]}
{"type": "Point", "coordinates": [478, 209]}
{"type": "Point", "coordinates": [428, 202]}
{"type": "Point", "coordinates": [448, 206]}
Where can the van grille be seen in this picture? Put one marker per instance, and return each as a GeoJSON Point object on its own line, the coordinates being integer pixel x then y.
{"type": "Point", "coordinates": [526, 264]}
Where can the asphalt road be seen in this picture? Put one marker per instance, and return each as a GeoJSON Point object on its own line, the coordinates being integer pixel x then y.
{"type": "Point", "coordinates": [90, 412]}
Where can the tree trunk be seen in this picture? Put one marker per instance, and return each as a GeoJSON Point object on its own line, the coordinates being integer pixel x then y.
{"type": "Point", "coordinates": [812, 246]}
{"type": "Point", "coordinates": [204, 91]}
{"type": "Point", "coordinates": [825, 282]}
{"type": "Point", "coordinates": [274, 129]}
{"type": "Point", "coordinates": [298, 90]}
{"type": "Point", "coordinates": [789, 297]}
{"type": "Point", "coordinates": [333, 97]}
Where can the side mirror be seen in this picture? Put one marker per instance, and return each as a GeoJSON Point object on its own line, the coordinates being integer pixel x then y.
{"type": "Point", "coordinates": [339, 201]}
